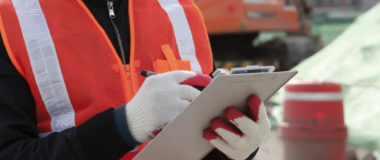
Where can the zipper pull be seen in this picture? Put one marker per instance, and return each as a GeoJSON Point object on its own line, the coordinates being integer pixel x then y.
{"type": "Point", "coordinates": [110, 9]}
{"type": "Point", "coordinates": [127, 70]}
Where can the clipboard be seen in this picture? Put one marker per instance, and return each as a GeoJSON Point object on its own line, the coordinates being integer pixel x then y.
{"type": "Point", "coordinates": [182, 138]}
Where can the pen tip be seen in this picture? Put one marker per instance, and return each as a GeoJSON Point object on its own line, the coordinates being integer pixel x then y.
{"type": "Point", "coordinates": [144, 73]}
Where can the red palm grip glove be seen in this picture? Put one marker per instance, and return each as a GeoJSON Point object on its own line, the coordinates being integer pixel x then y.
{"type": "Point", "coordinates": [240, 144]}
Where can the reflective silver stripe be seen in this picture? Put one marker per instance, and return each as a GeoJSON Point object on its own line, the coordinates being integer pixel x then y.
{"type": "Point", "coordinates": [182, 32]}
{"type": "Point", "coordinates": [45, 64]}
{"type": "Point", "coordinates": [314, 96]}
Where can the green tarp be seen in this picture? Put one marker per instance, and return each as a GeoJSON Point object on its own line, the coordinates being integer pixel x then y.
{"type": "Point", "coordinates": [329, 31]}
{"type": "Point", "coordinates": [353, 60]}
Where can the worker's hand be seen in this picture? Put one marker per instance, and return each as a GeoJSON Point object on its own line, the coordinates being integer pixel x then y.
{"type": "Point", "coordinates": [252, 131]}
{"type": "Point", "coordinates": [160, 99]}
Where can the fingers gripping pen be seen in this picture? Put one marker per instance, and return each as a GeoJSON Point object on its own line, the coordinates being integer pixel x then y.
{"type": "Point", "coordinates": [146, 73]}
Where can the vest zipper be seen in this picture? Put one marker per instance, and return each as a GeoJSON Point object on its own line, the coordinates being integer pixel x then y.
{"type": "Point", "coordinates": [127, 69]}
{"type": "Point", "coordinates": [129, 81]}
{"type": "Point", "coordinates": [112, 16]}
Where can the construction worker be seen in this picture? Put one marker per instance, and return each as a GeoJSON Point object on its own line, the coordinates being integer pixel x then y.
{"type": "Point", "coordinates": [70, 86]}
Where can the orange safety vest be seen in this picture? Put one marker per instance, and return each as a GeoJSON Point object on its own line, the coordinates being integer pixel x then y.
{"type": "Point", "coordinates": [71, 66]}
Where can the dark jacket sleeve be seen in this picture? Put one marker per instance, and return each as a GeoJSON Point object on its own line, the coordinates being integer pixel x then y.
{"type": "Point", "coordinates": [98, 138]}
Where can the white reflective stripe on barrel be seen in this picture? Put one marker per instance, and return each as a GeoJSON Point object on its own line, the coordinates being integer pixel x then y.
{"type": "Point", "coordinates": [45, 64]}
{"type": "Point", "coordinates": [314, 96]}
{"type": "Point", "coordinates": [182, 32]}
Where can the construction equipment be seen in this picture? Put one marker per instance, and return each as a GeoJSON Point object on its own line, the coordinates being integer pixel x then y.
{"type": "Point", "coordinates": [234, 24]}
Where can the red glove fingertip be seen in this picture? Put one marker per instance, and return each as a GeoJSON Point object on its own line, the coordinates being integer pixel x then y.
{"type": "Point", "coordinates": [209, 134]}
{"type": "Point", "coordinates": [232, 113]}
{"type": "Point", "coordinates": [200, 80]}
{"type": "Point", "coordinates": [254, 103]}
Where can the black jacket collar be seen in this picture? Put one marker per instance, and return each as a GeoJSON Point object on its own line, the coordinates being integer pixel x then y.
{"type": "Point", "coordinates": [101, 3]}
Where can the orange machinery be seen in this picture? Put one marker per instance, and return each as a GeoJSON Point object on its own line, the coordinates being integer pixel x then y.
{"type": "Point", "coordinates": [234, 24]}
{"type": "Point", "coordinates": [226, 16]}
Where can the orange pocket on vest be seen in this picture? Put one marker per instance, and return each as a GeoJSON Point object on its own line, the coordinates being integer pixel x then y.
{"type": "Point", "coordinates": [162, 66]}
{"type": "Point", "coordinates": [171, 64]}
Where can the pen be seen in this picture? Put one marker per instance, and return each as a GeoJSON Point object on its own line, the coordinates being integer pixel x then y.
{"type": "Point", "coordinates": [146, 73]}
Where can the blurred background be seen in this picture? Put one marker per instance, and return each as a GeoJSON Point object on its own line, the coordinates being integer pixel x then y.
{"type": "Point", "coordinates": [334, 41]}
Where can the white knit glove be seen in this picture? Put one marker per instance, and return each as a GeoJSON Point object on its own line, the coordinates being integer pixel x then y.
{"type": "Point", "coordinates": [160, 99]}
{"type": "Point", "coordinates": [240, 144]}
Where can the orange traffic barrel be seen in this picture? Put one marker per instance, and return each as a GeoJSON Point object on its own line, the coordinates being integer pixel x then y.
{"type": "Point", "coordinates": [313, 122]}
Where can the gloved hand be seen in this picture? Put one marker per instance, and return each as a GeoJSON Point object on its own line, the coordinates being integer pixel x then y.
{"type": "Point", "coordinates": [160, 99]}
{"type": "Point", "coordinates": [240, 144]}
